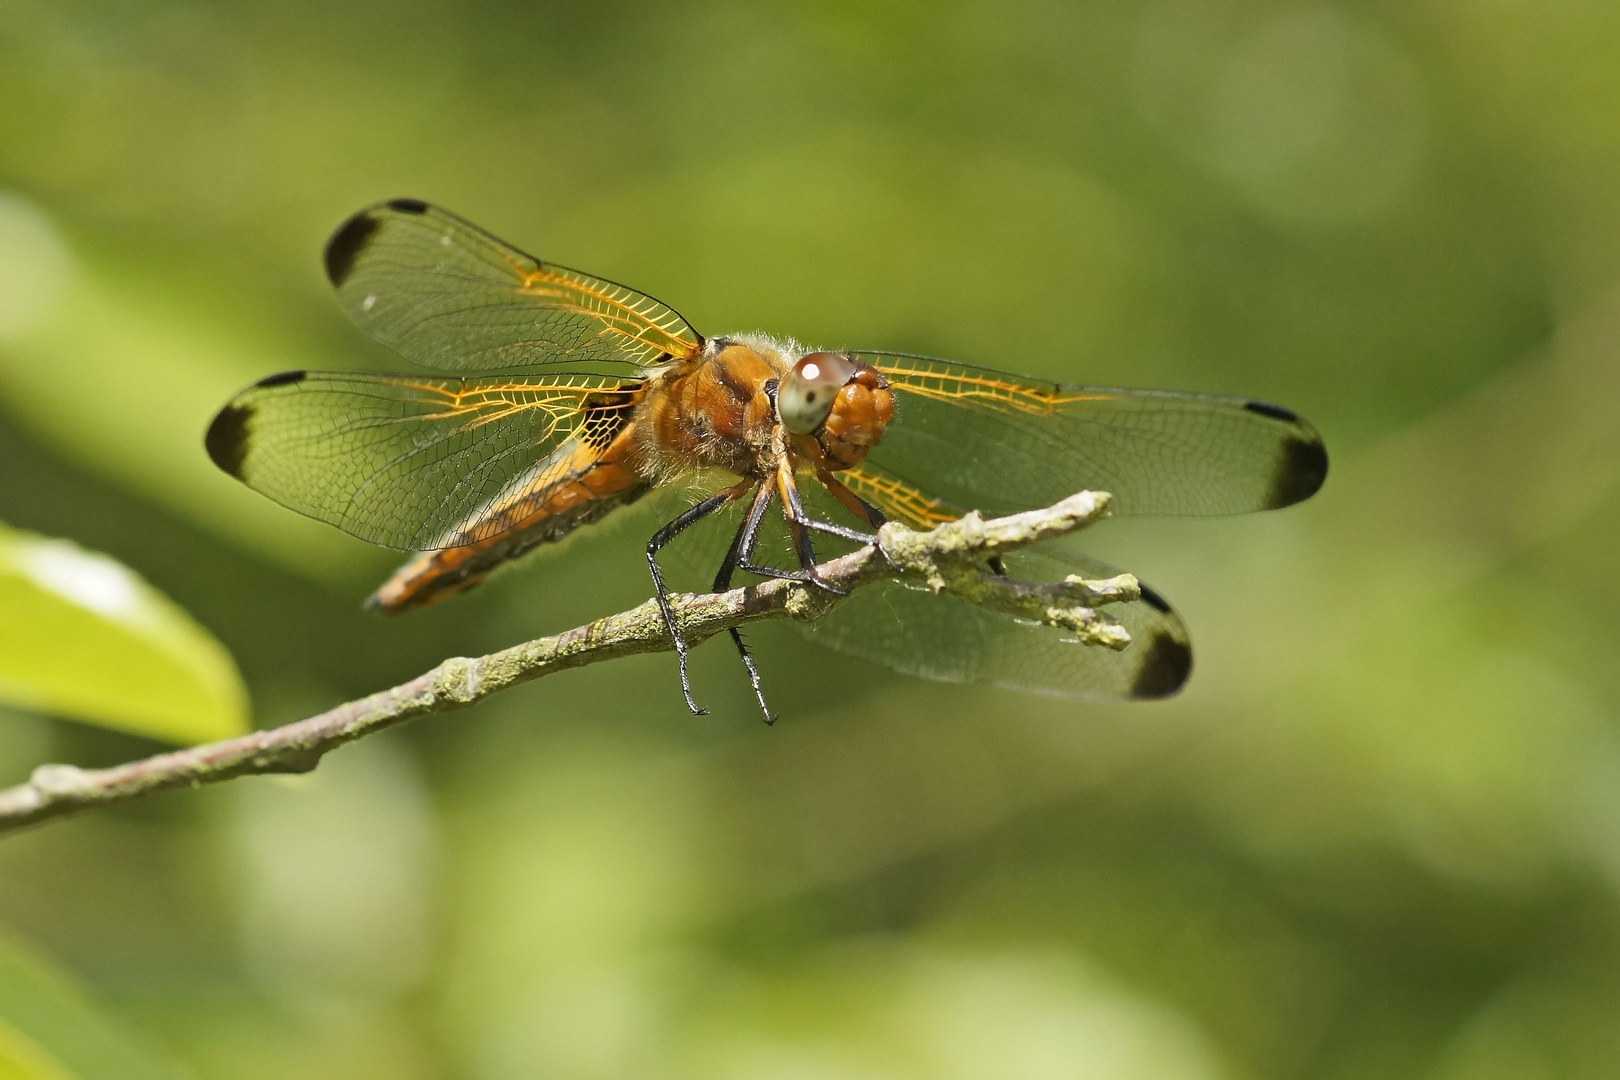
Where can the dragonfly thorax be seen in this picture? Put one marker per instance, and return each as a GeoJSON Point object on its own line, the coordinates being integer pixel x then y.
{"type": "Point", "coordinates": [746, 401]}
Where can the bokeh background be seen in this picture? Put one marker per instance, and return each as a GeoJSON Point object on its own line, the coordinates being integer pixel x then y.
{"type": "Point", "coordinates": [1379, 834]}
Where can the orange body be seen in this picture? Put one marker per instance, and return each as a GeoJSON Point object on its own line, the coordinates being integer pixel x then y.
{"type": "Point", "coordinates": [716, 411]}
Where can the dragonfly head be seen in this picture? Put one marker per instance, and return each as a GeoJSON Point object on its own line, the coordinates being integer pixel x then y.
{"type": "Point", "coordinates": [806, 396]}
{"type": "Point", "coordinates": [840, 403]}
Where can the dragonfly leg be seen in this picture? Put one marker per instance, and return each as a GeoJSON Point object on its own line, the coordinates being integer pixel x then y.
{"type": "Point", "coordinates": [659, 539]}
{"type": "Point", "coordinates": [852, 502]}
{"type": "Point", "coordinates": [742, 549]}
{"type": "Point", "coordinates": [807, 557]}
{"type": "Point", "coordinates": [796, 513]}
{"type": "Point", "coordinates": [807, 554]}
{"type": "Point", "coordinates": [801, 523]}
{"type": "Point", "coordinates": [834, 529]}
{"type": "Point", "coordinates": [745, 553]}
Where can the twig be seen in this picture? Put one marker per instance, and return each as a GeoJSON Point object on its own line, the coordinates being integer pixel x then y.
{"type": "Point", "coordinates": [949, 559]}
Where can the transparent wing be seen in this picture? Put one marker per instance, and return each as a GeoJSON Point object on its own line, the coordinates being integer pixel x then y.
{"type": "Point", "coordinates": [997, 442]}
{"type": "Point", "coordinates": [939, 637]}
{"type": "Point", "coordinates": [416, 463]}
{"type": "Point", "coordinates": [444, 293]}
{"type": "Point", "coordinates": [943, 638]}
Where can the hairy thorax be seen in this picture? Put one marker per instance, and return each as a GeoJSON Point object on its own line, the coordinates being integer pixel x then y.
{"type": "Point", "coordinates": [713, 413]}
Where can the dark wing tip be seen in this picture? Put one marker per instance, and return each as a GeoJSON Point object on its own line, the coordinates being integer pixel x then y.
{"type": "Point", "coordinates": [1166, 663]}
{"type": "Point", "coordinates": [1301, 469]}
{"type": "Point", "coordinates": [1302, 463]}
{"type": "Point", "coordinates": [408, 206]}
{"type": "Point", "coordinates": [228, 437]}
{"type": "Point", "coordinates": [1152, 599]}
{"type": "Point", "coordinates": [1276, 412]}
{"type": "Point", "coordinates": [346, 245]}
{"type": "Point", "coordinates": [283, 378]}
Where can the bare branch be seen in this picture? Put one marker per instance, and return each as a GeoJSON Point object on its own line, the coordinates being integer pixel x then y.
{"type": "Point", "coordinates": [948, 559]}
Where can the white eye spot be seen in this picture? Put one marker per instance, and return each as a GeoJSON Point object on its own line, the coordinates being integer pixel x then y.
{"type": "Point", "coordinates": [811, 372]}
{"type": "Point", "coordinates": [369, 302]}
{"type": "Point", "coordinates": [445, 240]}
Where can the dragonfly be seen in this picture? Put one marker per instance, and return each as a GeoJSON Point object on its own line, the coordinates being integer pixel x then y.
{"type": "Point", "coordinates": [565, 397]}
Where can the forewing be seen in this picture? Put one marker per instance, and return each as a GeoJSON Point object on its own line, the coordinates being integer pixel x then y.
{"type": "Point", "coordinates": [987, 440]}
{"type": "Point", "coordinates": [415, 463]}
{"type": "Point", "coordinates": [445, 293]}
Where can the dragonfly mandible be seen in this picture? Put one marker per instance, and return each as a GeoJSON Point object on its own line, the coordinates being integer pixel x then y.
{"type": "Point", "coordinates": [582, 396]}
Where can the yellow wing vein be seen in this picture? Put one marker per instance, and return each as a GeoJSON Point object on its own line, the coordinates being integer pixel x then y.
{"type": "Point", "coordinates": [484, 405]}
{"type": "Point", "coordinates": [610, 306]}
{"type": "Point", "coordinates": [898, 499]}
{"type": "Point", "coordinates": [943, 384]}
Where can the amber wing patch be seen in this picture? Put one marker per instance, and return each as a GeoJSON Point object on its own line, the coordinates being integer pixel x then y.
{"type": "Point", "coordinates": [413, 462]}
{"type": "Point", "coordinates": [447, 294]}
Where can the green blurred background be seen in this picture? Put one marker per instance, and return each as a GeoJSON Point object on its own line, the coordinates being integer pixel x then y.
{"type": "Point", "coordinates": [1379, 834]}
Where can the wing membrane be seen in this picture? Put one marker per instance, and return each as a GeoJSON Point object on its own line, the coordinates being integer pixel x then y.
{"type": "Point", "coordinates": [985, 439]}
{"type": "Point", "coordinates": [446, 294]}
{"type": "Point", "coordinates": [942, 638]}
{"type": "Point", "coordinates": [415, 463]}
{"type": "Point", "coordinates": [899, 500]}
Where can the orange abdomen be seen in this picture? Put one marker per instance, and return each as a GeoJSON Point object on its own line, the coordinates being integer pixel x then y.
{"type": "Point", "coordinates": [581, 485]}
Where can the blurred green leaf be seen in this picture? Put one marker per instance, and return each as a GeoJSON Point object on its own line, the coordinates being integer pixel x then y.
{"type": "Point", "coordinates": [161, 368]}
{"type": "Point", "coordinates": [83, 636]}
{"type": "Point", "coordinates": [48, 1031]}
{"type": "Point", "coordinates": [22, 1059]}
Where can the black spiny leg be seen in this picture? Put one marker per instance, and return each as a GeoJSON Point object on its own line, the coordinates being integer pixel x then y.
{"type": "Point", "coordinates": [807, 560]}
{"type": "Point", "coordinates": [659, 539]}
{"type": "Point", "coordinates": [801, 522]}
{"type": "Point", "coordinates": [797, 514]}
{"type": "Point", "coordinates": [807, 575]}
{"type": "Point", "coordinates": [807, 556]}
{"type": "Point", "coordinates": [742, 549]}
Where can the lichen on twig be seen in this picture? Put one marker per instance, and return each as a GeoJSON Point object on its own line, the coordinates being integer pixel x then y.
{"type": "Point", "coordinates": [951, 558]}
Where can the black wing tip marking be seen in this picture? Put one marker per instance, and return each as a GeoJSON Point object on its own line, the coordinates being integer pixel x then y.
{"type": "Point", "coordinates": [283, 378]}
{"type": "Point", "coordinates": [353, 235]}
{"type": "Point", "coordinates": [346, 245]}
{"type": "Point", "coordinates": [1166, 663]}
{"type": "Point", "coordinates": [1275, 412]}
{"type": "Point", "coordinates": [1152, 599]}
{"type": "Point", "coordinates": [228, 438]}
{"type": "Point", "coordinates": [1301, 470]}
{"type": "Point", "coordinates": [1302, 465]}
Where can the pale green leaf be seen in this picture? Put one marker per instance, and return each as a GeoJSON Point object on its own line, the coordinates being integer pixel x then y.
{"type": "Point", "coordinates": [21, 1058]}
{"type": "Point", "coordinates": [83, 636]}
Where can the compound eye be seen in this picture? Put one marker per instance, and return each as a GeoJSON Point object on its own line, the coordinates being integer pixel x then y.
{"type": "Point", "coordinates": [806, 395]}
